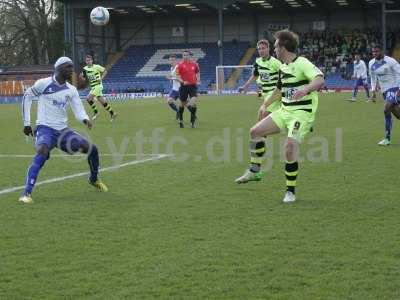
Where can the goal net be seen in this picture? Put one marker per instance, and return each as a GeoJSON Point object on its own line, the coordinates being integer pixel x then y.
{"type": "Point", "coordinates": [228, 79]}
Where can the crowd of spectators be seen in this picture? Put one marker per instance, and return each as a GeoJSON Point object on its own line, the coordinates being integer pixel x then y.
{"type": "Point", "coordinates": [333, 51]}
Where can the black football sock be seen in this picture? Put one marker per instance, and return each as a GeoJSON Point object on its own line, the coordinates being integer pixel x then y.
{"type": "Point", "coordinates": [108, 108]}
{"type": "Point", "coordinates": [181, 110]}
{"type": "Point", "coordinates": [93, 106]}
{"type": "Point", "coordinates": [291, 171]}
{"type": "Point", "coordinates": [257, 151]}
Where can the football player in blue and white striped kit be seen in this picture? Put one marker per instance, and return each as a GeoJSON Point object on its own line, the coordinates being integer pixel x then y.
{"type": "Point", "coordinates": [386, 70]}
{"type": "Point", "coordinates": [360, 74]}
{"type": "Point", "coordinates": [174, 93]}
{"type": "Point", "coordinates": [54, 94]}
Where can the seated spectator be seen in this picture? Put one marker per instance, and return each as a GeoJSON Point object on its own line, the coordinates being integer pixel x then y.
{"type": "Point", "coordinates": [333, 51]}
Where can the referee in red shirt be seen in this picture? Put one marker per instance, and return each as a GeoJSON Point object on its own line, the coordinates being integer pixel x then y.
{"type": "Point", "coordinates": [188, 73]}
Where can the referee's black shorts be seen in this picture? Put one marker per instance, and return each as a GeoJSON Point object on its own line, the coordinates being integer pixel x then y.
{"type": "Point", "coordinates": [187, 92]}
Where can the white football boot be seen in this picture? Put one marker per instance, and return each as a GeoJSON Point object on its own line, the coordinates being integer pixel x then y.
{"type": "Point", "coordinates": [249, 176]}
{"type": "Point", "coordinates": [289, 197]}
{"type": "Point", "coordinates": [384, 142]}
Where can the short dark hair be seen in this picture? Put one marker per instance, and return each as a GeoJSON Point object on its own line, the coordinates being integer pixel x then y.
{"type": "Point", "coordinates": [172, 56]}
{"type": "Point", "coordinates": [190, 53]}
{"type": "Point", "coordinates": [263, 42]}
{"type": "Point", "coordinates": [377, 47]}
{"type": "Point", "coordinates": [287, 39]}
{"type": "Point", "coordinates": [89, 55]}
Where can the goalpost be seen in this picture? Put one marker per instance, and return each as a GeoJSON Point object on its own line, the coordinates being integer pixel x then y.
{"type": "Point", "coordinates": [228, 79]}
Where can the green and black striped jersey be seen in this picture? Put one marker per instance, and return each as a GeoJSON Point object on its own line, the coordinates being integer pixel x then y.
{"type": "Point", "coordinates": [266, 70]}
{"type": "Point", "coordinates": [294, 76]}
{"type": "Point", "coordinates": [93, 74]}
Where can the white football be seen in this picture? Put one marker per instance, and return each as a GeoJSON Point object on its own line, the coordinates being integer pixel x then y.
{"type": "Point", "coordinates": [99, 16]}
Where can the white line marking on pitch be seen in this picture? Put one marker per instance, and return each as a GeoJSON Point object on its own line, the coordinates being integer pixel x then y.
{"type": "Point", "coordinates": [57, 179]}
{"type": "Point", "coordinates": [77, 155]}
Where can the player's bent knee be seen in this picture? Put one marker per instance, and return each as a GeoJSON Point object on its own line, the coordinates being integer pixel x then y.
{"type": "Point", "coordinates": [396, 111]}
{"type": "Point", "coordinates": [85, 146]}
{"type": "Point", "coordinates": [255, 132]}
{"type": "Point", "coordinates": [388, 108]}
{"type": "Point", "coordinates": [263, 115]}
{"type": "Point", "coordinates": [92, 149]}
{"type": "Point", "coordinates": [43, 150]}
{"type": "Point", "coordinates": [192, 101]}
{"type": "Point", "coordinates": [290, 149]}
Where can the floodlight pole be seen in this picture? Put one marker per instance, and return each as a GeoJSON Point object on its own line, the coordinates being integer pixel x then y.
{"type": "Point", "coordinates": [66, 27]}
{"type": "Point", "coordinates": [73, 37]}
{"type": "Point", "coordinates": [219, 5]}
{"type": "Point", "coordinates": [384, 13]}
{"type": "Point", "coordinates": [384, 26]}
{"type": "Point", "coordinates": [69, 33]}
{"type": "Point", "coordinates": [220, 34]}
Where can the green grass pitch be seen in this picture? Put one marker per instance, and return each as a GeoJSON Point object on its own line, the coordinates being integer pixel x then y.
{"type": "Point", "coordinates": [179, 228]}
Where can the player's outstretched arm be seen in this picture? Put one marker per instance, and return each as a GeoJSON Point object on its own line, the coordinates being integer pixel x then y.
{"type": "Point", "coordinates": [275, 96]}
{"type": "Point", "coordinates": [317, 83]}
{"type": "Point", "coordinates": [30, 94]}
{"type": "Point", "coordinates": [26, 111]}
{"type": "Point", "coordinates": [396, 70]}
{"type": "Point", "coordinates": [104, 74]}
{"type": "Point", "coordinates": [365, 69]}
{"type": "Point", "coordinates": [179, 78]}
{"type": "Point", "coordinates": [78, 109]}
{"type": "Point", "coordinates": [247, 83]}
{"type": "Point", "coordinates": [178, 75]}
{"type": "Point", "coordinates": [373, 78]}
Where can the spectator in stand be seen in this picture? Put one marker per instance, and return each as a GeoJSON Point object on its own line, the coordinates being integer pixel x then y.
{"type": "Point", "coordinates": [332, 50]}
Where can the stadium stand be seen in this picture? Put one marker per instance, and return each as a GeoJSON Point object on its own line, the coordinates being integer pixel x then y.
{"type": "Point", "coordinates": [145, 67]}
{"type": "Point", "coordinates": [333, 52]}
{"type": "Point", "coordinates": [140, 69]}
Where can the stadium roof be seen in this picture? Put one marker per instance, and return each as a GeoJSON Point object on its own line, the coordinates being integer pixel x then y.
{"type": "Point", "coordinates": [151, 7]}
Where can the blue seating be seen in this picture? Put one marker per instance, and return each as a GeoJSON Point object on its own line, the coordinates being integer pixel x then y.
{"type": "Point", "coordinates": [335, 81]}
{"type": "Point", "coordinates": [123, 74]}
